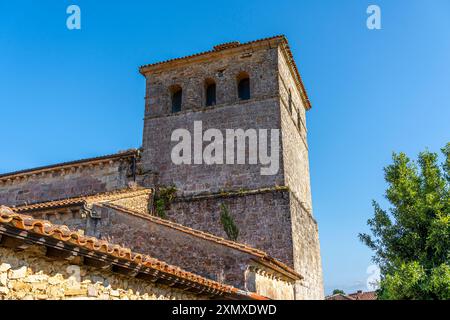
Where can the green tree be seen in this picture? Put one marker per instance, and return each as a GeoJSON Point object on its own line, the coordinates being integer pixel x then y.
{"type": "Point", "coordinates": [411, 241]}
{"type": "Point", "coordinates": [338, 291]}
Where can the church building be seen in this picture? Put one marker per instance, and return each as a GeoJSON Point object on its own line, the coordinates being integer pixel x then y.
{"type": "Point", "coordinates": [139, 225]}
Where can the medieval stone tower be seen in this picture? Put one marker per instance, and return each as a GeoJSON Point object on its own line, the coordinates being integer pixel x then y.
{"type": "Point", "coordinates": [254, 85]}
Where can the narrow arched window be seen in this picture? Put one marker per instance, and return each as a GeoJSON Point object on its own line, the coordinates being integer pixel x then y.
{"type": "Point", "coordinates": [210, 92]}
{"type": "Point", "coordinates": [177, 97]}
{"type": "Point", "coordinates": [243, 86]}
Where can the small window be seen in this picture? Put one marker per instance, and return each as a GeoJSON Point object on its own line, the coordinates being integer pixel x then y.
{"type": "Point", "coordinates": [210, 92]}
{"type": "Point", "coordinates": [243, 86]}
{"type": "Point", "coordinates": [177, 97]}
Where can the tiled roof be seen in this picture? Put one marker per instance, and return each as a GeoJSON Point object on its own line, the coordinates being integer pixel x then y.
{"type": "Point", "coordinates": [88, 199]}
{"type": "Point", "coordinates": [64, 234]}
{"type": "Point", "coordinates": [263, 256]}
{"type": "Point", "coordinates": [339, 296]}
{"type": "Point", "coordinates": [235, 44]}
{"type": "Point", "coordinates": [67, 165]}
{"type": "Point", "coordinates": [370, 295]}
{"type": "Point", "coordinates": [105, 199]}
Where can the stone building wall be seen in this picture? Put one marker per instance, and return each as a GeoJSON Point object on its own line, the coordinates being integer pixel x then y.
{"type": "Point", "coordinates": [261, 111]}
{"type": "Point", "coordinates": [263, 219]}
{"type": "Point", "coordinates": [47, 186]}
{"type": "Point", "coordinates": [191, 253]}
{"type": "Point", "coordinates": [306, 247]}
{"type": "Point", "coordinates": [200, 178]}
{"type": "Point", "coordinates": [307, 259]}
{"type": "Point", "coordinates": [29, 275]}
{"type": "Point", "coordinates": [294, 136]}
{"type": "Point", "coordinates": [74, 219]}
{"type": "Point", "coordinates": [266, 221]}
{"type": "Point", "coordinates": [277, 222]}
{"type": "Point", "coordinates": [274, 221]}
{"type": "Point", "coordinates": [270, 285]}
{"type": "Point", "coordinates": [224, 69]}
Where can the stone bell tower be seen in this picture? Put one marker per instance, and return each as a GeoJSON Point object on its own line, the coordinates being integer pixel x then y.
{"type": "Point", "coordinates": [254, 85]}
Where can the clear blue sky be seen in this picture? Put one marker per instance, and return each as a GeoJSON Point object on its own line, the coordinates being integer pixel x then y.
{"type": "Point", "coordinates": [66, 95]}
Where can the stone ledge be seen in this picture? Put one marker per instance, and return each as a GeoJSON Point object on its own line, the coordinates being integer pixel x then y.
{"type": "Point", "coordinates": [230, 194]}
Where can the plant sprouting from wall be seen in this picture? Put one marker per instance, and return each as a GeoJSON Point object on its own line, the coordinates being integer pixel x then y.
{"type": "Point", "coordinates": [228, 224]}
{"type": "Point", "coordinates": [163, 199]}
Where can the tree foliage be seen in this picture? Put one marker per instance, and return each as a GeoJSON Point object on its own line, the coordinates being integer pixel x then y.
{"type": "Point", "coordinates": [411, 241]}
{"type": "Point", "coordinates": [338, 291]}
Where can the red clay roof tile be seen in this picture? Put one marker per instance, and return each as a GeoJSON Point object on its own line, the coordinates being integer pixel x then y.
{"type": "Point", "coordinates": [104, 198]}
{"type": "Point", "coordinates": [93, 198]}
{"type": "Point", "coordinates": [62, 233]}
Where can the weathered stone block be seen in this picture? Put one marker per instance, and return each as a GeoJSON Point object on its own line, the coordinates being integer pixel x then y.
{"type": "Point", "coordinates": [4, 267]}
{"type": "Point", "coordinates": [18, 273]}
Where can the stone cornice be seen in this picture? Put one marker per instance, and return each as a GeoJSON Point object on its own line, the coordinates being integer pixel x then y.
{"type": "Point", "coordinates": [230, 194]}
{"type": "Point", "coordinates": [271, 42]}
{"type": "Point", "coordinates": [68, 166]}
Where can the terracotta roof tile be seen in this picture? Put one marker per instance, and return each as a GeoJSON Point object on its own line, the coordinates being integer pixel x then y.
{"type": "Point", "coordinates": [105, 198]}
{"type": "Point", "coordinates": [88, 199]}
{"type": "Point", "coordinates": [62, 233]}
{"type": "Point", "coordinates": [370, 295]}
{"type": "Point", "coordinates": [220, 47]}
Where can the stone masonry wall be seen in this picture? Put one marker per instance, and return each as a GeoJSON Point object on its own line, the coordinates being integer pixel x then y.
{"type": "Point", "coordinates": [307, 260]}
{"type": "Point", "coordinates": [275, 222]}
{"type": "Point", "coordinates": [294, 136]}
{"type": "Point", "coordinates": [29, 275]}
{"type": "Point", "coordinates": [65, 184]}
{"type": "Point", "coordinates": [200, 256]}
{"type": "Point", "coordinates": [305, 234]}
{"type": "Point", "coordinates": [271, 222]}
{"type": "Point", "coordinates": [263, 219]}
{"type": "Point", "coordinates": [75, 219]}
{"type": "Point", "coordinates": [194, 179]}
{"type": "Point", "coordinates": [261, 111]}
{"type": "Point", "coordinates": [269, 285]}
{"type": "Point", "coordinates": [191, 253]}
{"type": "Point", "coordinates": [258, 64]}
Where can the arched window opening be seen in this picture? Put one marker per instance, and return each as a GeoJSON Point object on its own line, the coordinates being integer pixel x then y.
{"type": "Point", "coordinates": [177, 97]}
{"type": "Point", "coordinates": [243, 86]}
{"type": "Point", "coordinates": [210, 92]}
